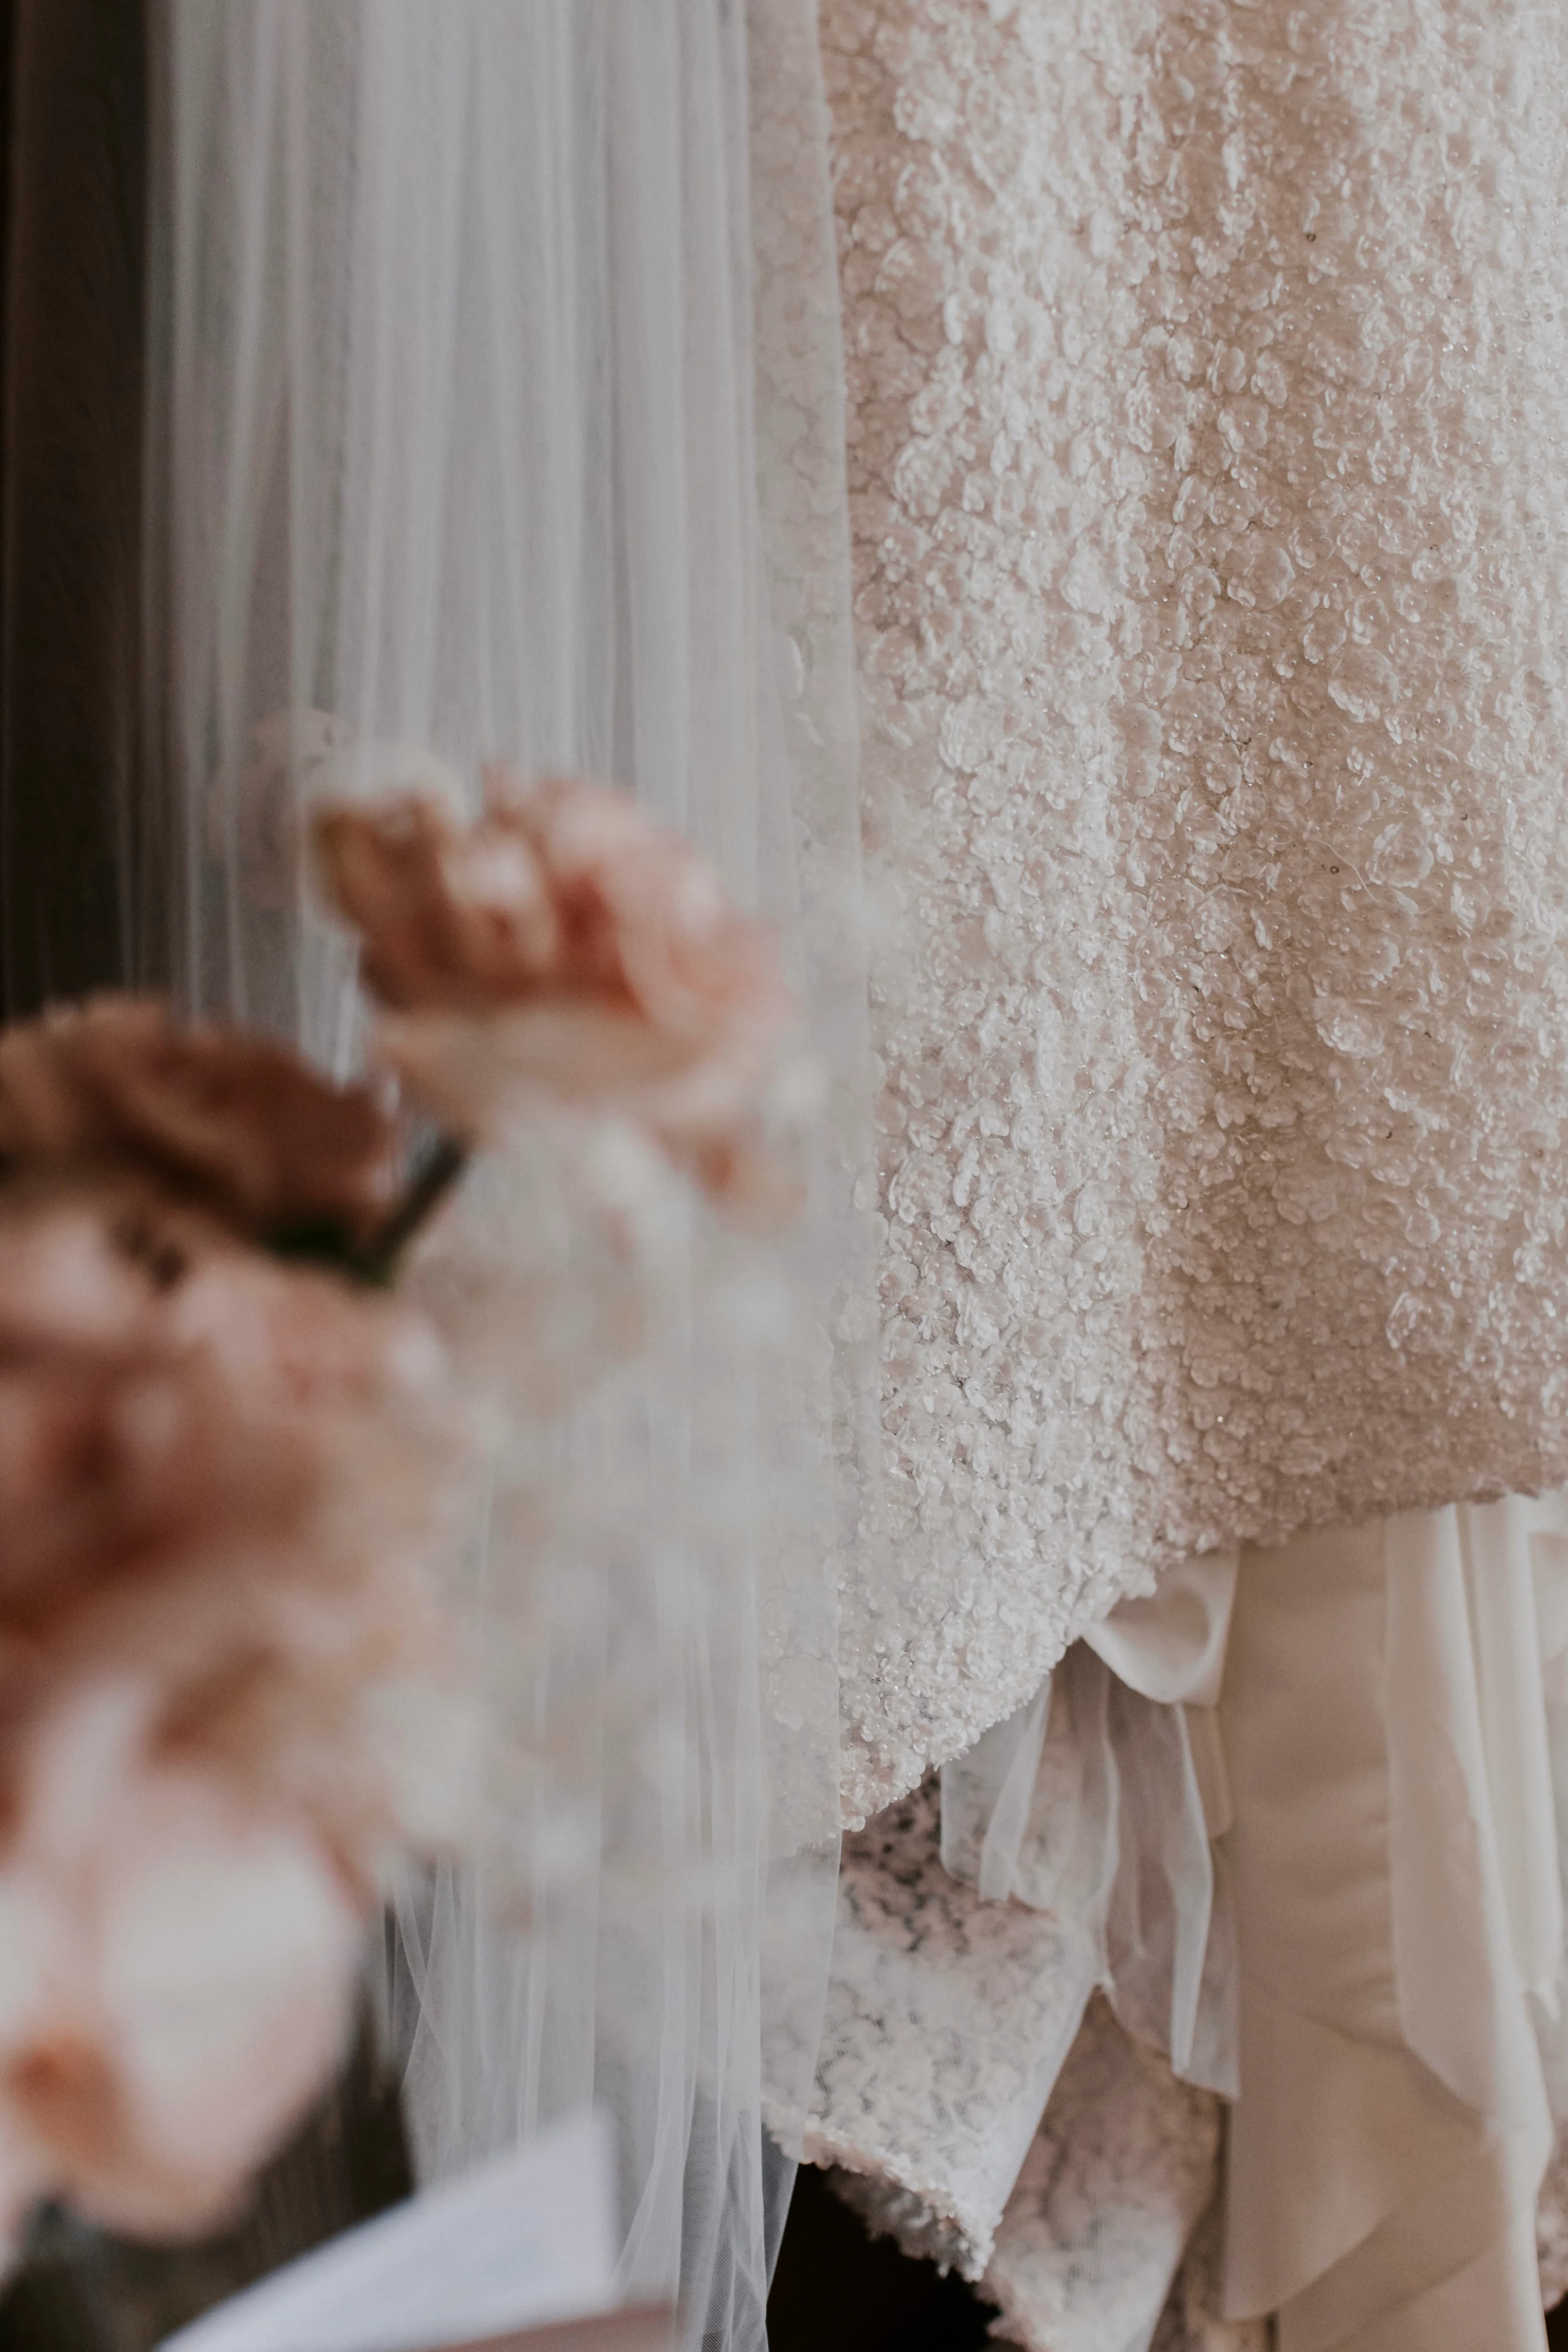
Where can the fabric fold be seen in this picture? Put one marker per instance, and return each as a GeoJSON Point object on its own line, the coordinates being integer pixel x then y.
{"type": "Point", "coordinates": [1395, 1873]}
{"type": "Point", "coordinates": [1090, 1806]}
{"type": "Point", "coordinates": [949, 2020]}
{"type": "Point", "coordinates": [1365, 1891]}
{"type": "Point", "coordinates": [1116, 2179]}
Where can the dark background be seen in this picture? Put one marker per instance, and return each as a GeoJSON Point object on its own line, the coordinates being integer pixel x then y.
{"type": "Point", "coordinates": [836, 2291]}
{"type": "Point", "coordinates": [74, 88]}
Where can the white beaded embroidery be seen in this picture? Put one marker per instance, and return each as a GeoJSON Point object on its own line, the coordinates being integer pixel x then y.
{"type": "Point", "coordinates": [1208, 450]}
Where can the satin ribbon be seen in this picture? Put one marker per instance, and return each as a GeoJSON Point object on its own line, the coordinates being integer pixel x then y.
{"type": "Point", "coordinates": [1172, 1648]}
{"type": "Point", "coordinates": [1398, 1905]}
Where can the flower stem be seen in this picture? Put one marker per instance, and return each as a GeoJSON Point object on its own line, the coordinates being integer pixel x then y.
{"type": "Point", "coordinates": [433, 1180]}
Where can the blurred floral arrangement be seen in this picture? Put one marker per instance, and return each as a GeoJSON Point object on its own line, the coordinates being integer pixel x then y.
{"type": "Point", "coordinates": [235, 1469]}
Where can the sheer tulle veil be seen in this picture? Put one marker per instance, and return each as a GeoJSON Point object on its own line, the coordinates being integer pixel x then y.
{"type": "Point", "coordinates": [494, 409]}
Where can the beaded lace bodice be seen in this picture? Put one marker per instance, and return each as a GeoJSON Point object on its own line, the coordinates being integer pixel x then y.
{"type": "Point", "coordinates": [1208, 448]}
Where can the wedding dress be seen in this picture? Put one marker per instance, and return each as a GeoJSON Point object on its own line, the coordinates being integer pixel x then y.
{"type": "Point", "coordinates": [1208, 405]}
{"type": "Point", "coordinates": [1207, 429]}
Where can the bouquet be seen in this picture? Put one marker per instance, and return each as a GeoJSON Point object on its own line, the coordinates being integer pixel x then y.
{"type": "Point", "coordinates": [237, 1470]}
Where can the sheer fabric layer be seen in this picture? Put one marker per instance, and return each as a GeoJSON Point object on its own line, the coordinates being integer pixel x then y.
{"type": "Point", "coordinates": [496, 410]}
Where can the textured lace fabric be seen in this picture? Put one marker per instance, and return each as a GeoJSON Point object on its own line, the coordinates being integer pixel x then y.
{"type": "Point", "coordinates": [952, 2022]}
{"type": "Point", "coordinates": [809, 843]}
{"type": "Point", "coordinates": [1208, 444]}
{"type": "Point", "coordinates": [1118, 2176]}
{"type": "Point", "coordinates": [948, 2022]}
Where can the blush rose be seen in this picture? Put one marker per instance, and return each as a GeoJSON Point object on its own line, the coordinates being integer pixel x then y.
{"type": "Point", "coordinates": [564, 948]}
{"type": "Point", "coordinates": [237, 1117]}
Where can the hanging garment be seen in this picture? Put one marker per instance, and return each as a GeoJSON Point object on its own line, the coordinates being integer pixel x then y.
{"type": "Point", "coordinates": [1370, 1880]}
{"type": "Point", "coordinates": [1208, 444]}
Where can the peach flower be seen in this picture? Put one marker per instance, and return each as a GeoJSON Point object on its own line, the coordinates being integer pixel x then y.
{"type": "Point", "coordinates": [645, 918]}
{"type": "Point", "coordinates": [451, 916]}
{"type": "Point", "coordinates": [229, 1476]}
{"type": "Point", "coordinates": [295, 760]}
{"type": "Point", "coordinates": [563, 948]}
{"type": "Point", "coordinates": [225, 1487]}
{"type": "Point", "coordinates": [178, 1967]}
{"type": "Point", "coordinates": [237, 1118]}
{"type": "Point", "coordinates": [704, 1110]}
{"type": "Point", "coordinates": [167, 1392]}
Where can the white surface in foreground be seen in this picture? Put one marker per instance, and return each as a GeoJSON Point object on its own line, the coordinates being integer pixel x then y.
{"type": "Point", "coordinates": [526, 2238]}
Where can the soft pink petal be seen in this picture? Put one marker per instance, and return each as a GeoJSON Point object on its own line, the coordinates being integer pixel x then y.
{"type": "Point", "coordinates": [230, 1957]}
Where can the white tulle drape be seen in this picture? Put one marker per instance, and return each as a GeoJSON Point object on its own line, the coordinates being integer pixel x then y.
{"type": "Point", "coordinates": [495, 410]}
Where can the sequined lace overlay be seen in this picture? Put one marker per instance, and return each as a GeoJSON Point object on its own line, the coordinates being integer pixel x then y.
{"type": "Point", "coordinates": [951, 2023]}
{"type": "Point", "coordinates": [1208, 442]}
